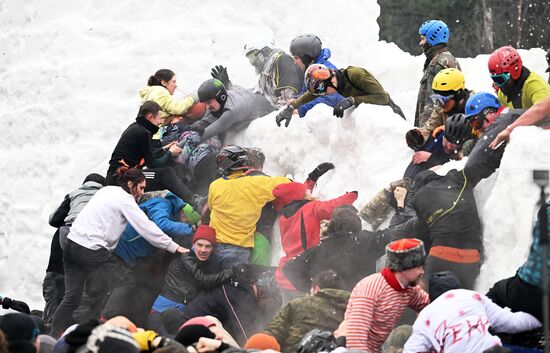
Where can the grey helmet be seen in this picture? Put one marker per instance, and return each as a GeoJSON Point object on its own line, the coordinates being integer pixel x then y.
{"type": "Point", "coordinates": [307, 47]}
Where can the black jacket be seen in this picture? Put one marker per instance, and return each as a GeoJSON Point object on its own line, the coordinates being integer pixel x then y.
{"type": "Point", "coordinates": [483, 161]}
{"type": "Point", "coordinates": [446, 204]}
{"type": "Point", "coordinates": [351, 256]}
{"type": "Point", "coordinates": [235, 306]}
{"type": "Point", "coordinates": [135, 144]}
{"type": "Point", "coordinates": [188, 276]}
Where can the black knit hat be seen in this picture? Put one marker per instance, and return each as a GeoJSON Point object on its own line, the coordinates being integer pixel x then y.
{"type": "Point", "coordinates": [441, 282]}
{"type": "Point", "coordinates": [18, 327]}
{"type": "Point", "coordinates": [404, 254]}
{"type": "Point", "coordinates": [190, 334]}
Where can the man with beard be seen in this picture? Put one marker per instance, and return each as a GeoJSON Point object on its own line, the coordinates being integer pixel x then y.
{"type": "Point", "coordinates": [378, 301]}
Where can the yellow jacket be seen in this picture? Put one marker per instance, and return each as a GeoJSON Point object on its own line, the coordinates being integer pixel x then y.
{"type": "Point", "coordinates": [236, 204]}
{"type": "Point", "coordinates": [169, 105]}
{"type": "Point", "coordinates": [535, 89]}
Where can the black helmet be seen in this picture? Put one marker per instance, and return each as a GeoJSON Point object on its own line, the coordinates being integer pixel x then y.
{"type": "Point", "coordinates": [212, 89]}
{"type": "Point", "coordinates": [231, 158]}
{"type": "Point", "coordinates": [457, 129]}
{"type": "Point", "coordinates": [317, 341]}
{"type": "Point", "coordinates": [307, 47]}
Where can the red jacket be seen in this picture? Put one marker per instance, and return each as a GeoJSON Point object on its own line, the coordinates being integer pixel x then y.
{"type": "Point", "coordinates": [290, 226]}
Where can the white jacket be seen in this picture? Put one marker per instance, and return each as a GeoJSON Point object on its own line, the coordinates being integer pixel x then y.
{"type": "Point", "coordinates": [458, 322]}
{"type": "Point", "coordinates": [102, 221]}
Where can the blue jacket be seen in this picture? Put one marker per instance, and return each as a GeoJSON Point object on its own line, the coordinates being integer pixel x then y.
{"type": "Point", "coordinates": [163, 212]}
{"type": "Point", "coordinates": [531, 270]}
{"type": "Point", "coordinates": [329, 99]}
{"type": "Point", "coordinates": [438, 157]}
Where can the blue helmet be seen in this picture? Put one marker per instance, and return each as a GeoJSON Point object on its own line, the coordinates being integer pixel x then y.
{"type": "Point", "coordinates": [480, 101]}
{"type": "Point", "coordinates": [435, 31]}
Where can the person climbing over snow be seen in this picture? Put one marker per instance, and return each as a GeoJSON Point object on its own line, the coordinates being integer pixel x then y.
{"type": "Point", "coordinates": [235, 202]}
{"type": "Point", "coordinates": [160, 89]}
{"type": "Point", "coordinates": [434, 35]}
{"type": "Point", "coordinates": [518, 86]}
{"type": "Point", "coordinates": [228, 110]}
{"type": "Point", "coordinates": [300, 224]}
{"type": "Point", "coordinates": [450, 96]}
{"type": "Point", "coordinates": [356, 84]}
{"type": "Point", "coordinates": [308, 49]}
{"type": "Point", "coordinates": [279, 79]}
{"type": "Point", "coordinates": [443, 144]}
{"type": "Point", "coordinates": [134, 150]}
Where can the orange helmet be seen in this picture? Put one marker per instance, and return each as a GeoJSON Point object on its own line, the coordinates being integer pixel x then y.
{"type": "Point", "coordinates": [318, 78]}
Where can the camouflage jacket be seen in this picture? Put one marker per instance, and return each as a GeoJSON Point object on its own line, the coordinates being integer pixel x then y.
{"type": "Point", "coordinates": [324, 310]}
{"type": "Point", "coordinates": [441, 59]}
{"type": "Point", "coordinates": [439, 117]}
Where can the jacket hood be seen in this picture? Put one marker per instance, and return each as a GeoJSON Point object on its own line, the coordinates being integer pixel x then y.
{"type": "Point", "coordinates": [424, 178]}
{"type": "Point", "coordinates": [150, 92]}
{"type": "Point", "coordinates": [324, 55]}
{"type": "Point", "coordinates": [90, 185]}
{"type": "Point", "coordinates": [174, 201]}
{"type": "Point", "coordinates": [442, 282]}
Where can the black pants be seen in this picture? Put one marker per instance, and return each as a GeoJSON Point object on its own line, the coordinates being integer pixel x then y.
{"type": "Point", "coordinates": [161, 179]}
{"type": "Point", "coordinates": [78, 263]}
{"type": "Point", "coordinates": [517, 295]}
{"type": "Point", "coordinates": [53, 289]}
{"type": "Point", "coordinates": [466, 273]}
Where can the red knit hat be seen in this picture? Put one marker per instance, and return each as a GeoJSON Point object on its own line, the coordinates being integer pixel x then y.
{"type": "Point", "coordinates": [205, 232]}
{"type": "Point", "coordinates": [288, 192]}
{"type": "Point", "coordinates": [262, 341]}
{"type": "Point", "coordinates": [403, 254]}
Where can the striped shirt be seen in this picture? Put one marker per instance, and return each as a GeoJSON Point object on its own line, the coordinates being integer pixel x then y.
{"type": "Point", "coordinates": [373, 310]}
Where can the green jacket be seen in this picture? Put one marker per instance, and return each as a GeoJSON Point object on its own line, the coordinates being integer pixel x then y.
{"type": "Point", "coordinates": [324, 310]}
{"type": "Point", "coordinates": [354, 82]}
{"type": "Point", "coordinates": [533, 91]}
{"type": "Point", "coordinates": [168, 104]}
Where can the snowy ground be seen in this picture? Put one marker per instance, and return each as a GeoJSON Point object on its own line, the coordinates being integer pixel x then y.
{"type": "Point", "coordinates": [71, 72]}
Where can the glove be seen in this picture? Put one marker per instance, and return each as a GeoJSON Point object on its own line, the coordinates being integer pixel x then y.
{"type": "Point", "coordinates": [286, 115]}
{"type": "Point", "coordinates": [241, 272]}
{"type": "Point", "coordinates": [414, 138]}
{"type": "Point", "coordinates": [219, 72]}
{"type": "Point", "coordinates": [16, 305]}
{"type": "Point", "coordinates": [145, 339]}
{"type": "Point", "coordinates": [319, 171]}
{"type": "Point", "coordinates": [343, 105]}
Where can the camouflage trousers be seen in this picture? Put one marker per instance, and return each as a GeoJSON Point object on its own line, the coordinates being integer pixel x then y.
{"type": "Point", "coordinates": [376, 211]}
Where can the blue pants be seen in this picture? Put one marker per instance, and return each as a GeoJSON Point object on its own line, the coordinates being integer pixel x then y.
{"type": "Point", "coordinates": [227, 255]}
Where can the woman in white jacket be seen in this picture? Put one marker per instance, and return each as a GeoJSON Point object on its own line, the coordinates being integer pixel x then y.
{"type": "Point", "coordinates": [95, 234]}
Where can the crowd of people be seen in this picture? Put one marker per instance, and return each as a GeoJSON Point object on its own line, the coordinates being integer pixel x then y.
{"type": "Point", "coordinates": [170, 251]}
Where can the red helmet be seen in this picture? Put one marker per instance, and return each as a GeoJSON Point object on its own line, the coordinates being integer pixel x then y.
{"type": "Point", "coordinates": [505, 60]}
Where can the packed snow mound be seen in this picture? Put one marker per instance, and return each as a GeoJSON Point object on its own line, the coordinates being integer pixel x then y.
{"type": "Point", "coordinates": [72, 71]}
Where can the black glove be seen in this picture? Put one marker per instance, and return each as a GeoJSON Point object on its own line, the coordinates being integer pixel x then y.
{"type": "Point", "coordinates": [414, 138]}
{"type": "Point", "coordinates": [167, 342]}
{"type": "Point", "coordinates": [285, 114]}
{"type": "Point", "coordinates": [219, 72]}
{"type": "Point", "coordinates": [16, 305]}
{"type": "Point", "coordinates": [320, 170]}
{"type": "Point", "coordinates": [343, 105]}
{"type": "Point", "coordinates": [197, 129]}
{"type": "Point", "coordinates": [241, 272]}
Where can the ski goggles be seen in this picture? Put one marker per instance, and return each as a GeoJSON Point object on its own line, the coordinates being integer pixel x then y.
{"type": "Point", "coordinates": [501, 79]}
{"type": "Point", "coordinates": [476, 121]}
{"type": "Point", "coordinates": [440, 99]}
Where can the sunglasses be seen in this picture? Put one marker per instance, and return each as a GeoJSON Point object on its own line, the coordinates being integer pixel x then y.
{"type": "Point", "coordinates": [441, 100]}
{"type": "Point", "coordinates": [501, 79]}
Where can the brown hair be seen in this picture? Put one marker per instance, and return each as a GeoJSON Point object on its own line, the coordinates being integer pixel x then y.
{"type": "Point", "coordinates": [133, 175]}
{"type": "Point", "coordinates": [159, 76]}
